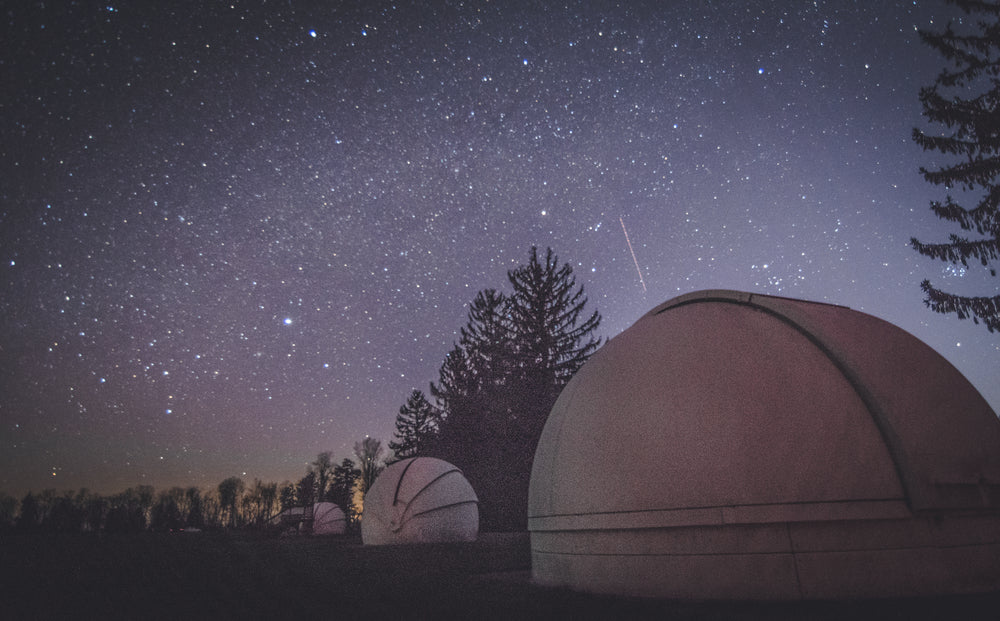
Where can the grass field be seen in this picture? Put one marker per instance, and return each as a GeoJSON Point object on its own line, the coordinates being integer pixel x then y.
{"type": "Point", "coordinates": [241, 576]}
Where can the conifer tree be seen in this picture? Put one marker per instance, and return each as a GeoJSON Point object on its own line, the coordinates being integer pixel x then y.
{"type": "Point", "coordinates": [546, 308]}
{"type": "Point", "coordinates": [475, 397]}
{"type": "Point", "coordinates": [470, 393]}
{"type": "Point", "coordinates": [416, 427]}
{"type": "Point", "coordinates": [499, 382]}
{"type": "Point", "coordinates": [488, 339]}
{"type": "Point", "coordinates": [553, 337]}
{"type": "Point", "coordinates": [965, 99]}
{"type": "Point", "coordinates": [453, 391]}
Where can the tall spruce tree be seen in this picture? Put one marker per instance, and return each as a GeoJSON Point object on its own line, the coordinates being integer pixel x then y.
{"type": "Point", "coordinates": [475, 397]}
{"type": "Point", "coordinates": [488, 339]}
{"type": "Point", "coordinates": [965, 98]}
{"type": "Point", "coordinates": [416, 427]}
{"type": "Point", "coordinates": [546, 309]}
{"type": "Point", "coordinates": [454, 391]}
{"type": "Point", "coordinates": [553, 338]}
{"type": "Point", "coordinates": [499, 382]}
{"type": "Point", "coordinates": [469, 393]}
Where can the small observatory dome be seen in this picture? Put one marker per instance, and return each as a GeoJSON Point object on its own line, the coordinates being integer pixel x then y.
{"type": "Point", "coordinates": [328, 519]}
{"type": "Point", "coordinates": [731, 445]}
{"type": "Point", "coordinates": [420, 500]}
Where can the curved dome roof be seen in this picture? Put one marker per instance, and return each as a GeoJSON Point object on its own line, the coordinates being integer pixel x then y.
{"type": "Point", "coordinates": [328, 519]}
{"type": "Point", "coordinates": [721, 407]}
{"type": "Point", "coordinates": [325, 518]}
{"type": "Point", "coordinates": [420, 500]}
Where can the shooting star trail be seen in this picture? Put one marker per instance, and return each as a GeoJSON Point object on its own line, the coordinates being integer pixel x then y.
{"type": "Point", "coordinates": [634, 260]}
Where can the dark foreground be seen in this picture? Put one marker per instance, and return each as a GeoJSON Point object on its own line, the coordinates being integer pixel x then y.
{"type": "Point", "coordinates": [239, 576]}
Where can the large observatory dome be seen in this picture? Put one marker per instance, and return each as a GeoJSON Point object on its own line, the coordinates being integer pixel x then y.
{"type": "Point", "coordinates": [733, 445]}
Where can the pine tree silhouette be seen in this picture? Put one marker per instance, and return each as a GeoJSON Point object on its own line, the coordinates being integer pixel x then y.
{"type": "Point", "coordinates": [966, 100]}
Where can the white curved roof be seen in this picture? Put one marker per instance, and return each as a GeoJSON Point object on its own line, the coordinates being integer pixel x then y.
{"type": "Point", "coordinates": [723, 398]}
{"type": "Point", "coordinates": [328, 519]}
{"type": "Point", "coordinates": [720, 408]}
{"type": "Point", "coordinates": [418, 500]}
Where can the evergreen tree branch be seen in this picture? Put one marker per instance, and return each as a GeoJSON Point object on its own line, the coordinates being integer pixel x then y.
{"type": "Point", "coordinates": [974, 123]}
{"type": "Point", "coordinates": [960, 250]}
{"type": "Point", "coordinates": [985, 309]}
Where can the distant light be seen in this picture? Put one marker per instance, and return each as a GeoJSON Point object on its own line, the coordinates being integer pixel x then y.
{"type": "Point", "coordinates": [312, 33]}
{"type": "Point", "coordinates": [288, 321]}
{"type": "Point", "coordinates": [760, 71]}
{"type": "Point", "coordinates": [525, 61]}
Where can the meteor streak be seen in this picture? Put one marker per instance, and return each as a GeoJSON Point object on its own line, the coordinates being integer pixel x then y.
{"type": "Point", "coordinates": [634, 260]}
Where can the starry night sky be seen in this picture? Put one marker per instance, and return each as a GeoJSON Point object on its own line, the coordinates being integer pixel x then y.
{"type": "Point", "coordinates": [235, 235]}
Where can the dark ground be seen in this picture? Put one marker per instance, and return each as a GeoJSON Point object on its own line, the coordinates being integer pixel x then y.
{"type": "Point", "coordinates": [241, 576]}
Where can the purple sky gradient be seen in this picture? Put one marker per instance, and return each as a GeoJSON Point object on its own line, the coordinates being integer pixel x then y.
{"type": "Point", "coordinates": [236, 236]}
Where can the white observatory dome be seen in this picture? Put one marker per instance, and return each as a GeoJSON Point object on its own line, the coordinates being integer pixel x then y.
{"type": "Point", "coordinates": [732, 445]}
{"type": "Point", "coordinates": [420, 500]}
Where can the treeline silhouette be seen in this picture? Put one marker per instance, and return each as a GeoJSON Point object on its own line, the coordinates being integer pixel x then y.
{"type": "Point", "coordinates": [493, 395]}
{"type": "Point", "coordinates": [232, 504]}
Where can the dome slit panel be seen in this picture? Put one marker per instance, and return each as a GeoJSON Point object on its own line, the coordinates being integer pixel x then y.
{"type": "Point", "coordinates": [443, 508]}
{"type": "Point", "coordinates": [399, 482]}
{"type": "Point", "coordinates": [428, 485]}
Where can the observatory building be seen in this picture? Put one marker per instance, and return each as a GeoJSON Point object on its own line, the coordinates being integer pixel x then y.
{"type": "Point", "coordinates": [323, 518]}
{"type": "Point", "coordinates": [328, 519]}
{"type": "Point", "coordinates": [738, 446]}
{"type": "Point", "coordinates": [420, 500]}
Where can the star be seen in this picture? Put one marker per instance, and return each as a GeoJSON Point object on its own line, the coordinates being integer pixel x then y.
{"type": "Point", "coordinates": [372, 185]}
